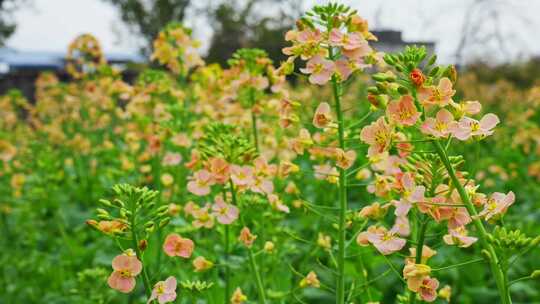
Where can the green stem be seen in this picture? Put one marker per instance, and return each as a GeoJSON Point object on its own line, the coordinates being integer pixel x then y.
{"type": "Point", "coordinates": [519, 280]}
{"type": "Point", "coordinates": [420, 237]}
{"type": "Point", "coordinates": [495, 265]}
{"type": "Point", "coordinates": [254, 131]}
{"type": "Point", "coordinates": [258, 280]}
{"type": "Point", "coordinates": [253, 120]}
{"type": "Point", "coordinates": [458, 265]}
{"type": "Point", "coordinates": [364, 275]}
{"type": "Point", "coordinates": [342, 193]}
{"type": "Point", "coordinates": [227, 270]}
{"type": "Point", "coordinates": [253, 264]}
{"type": "Point", "coordinates": [146, 281]}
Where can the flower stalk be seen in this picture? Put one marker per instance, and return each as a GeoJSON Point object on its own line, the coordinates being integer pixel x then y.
{"type": "Point", "coordinates": [227, 270]}
{"type": "Point", "coordinates": [251, 257]}
{"type": "Point", "coordinates": [146, 280]}
{"type": "Point", "coordinates": [342, 193]}
{"type": "Point", "coordinates": [495, 265]}
{"type": "Point", "coordinates": [420, 238]}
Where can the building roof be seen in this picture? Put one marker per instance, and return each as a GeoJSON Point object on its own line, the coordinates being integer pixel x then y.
{"type": "Point", "coordinates": [395, 37]}
{"type": "Point", "coordinates": [16, 60]}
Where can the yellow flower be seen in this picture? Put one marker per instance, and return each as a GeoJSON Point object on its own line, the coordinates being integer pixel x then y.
{"type": "Point", "coordinates": [167, 179]}
{"type": "Point", "coordinates": [201, 264]}
{"type": "Point", "coordinates": [310, 280]}
{"type": "Point", "coordinates": [238, 297]}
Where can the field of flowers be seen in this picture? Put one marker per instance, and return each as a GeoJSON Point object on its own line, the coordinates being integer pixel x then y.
{"type": "Point", "coordinates": [342, 175]}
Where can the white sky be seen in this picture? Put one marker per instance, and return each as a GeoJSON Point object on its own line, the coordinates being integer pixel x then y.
{"type": "Point", "coordinates": [52, 24]}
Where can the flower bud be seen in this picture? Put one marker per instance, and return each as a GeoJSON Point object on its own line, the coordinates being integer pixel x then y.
{"type": "Point", "coordinates": [102, 216]}
{"type": "Point", "coordinates": [202, 264]}
{"type": "Point", "coordinates": [486, 254]}
{"type": "Point", "coordinates": [118, 203]}
{"type": "Point", "coordinates": [102, 211]}
{"type": "Point", "coordinates": [269, 247]}
{"type": "Point", "coordinates": [434, 71]}
{"type": "Point", "coordinates": [535, 274]}
{"type": "Point", "coordinates": [389, 59]}
{"type": "Point", "coordinates": [417, 77]}
{"type": "Point", "coordinates": [143, 244]}
{"type": "Point", "coordinates": [92, 223]}
{"type": "Point", "coordinates": [162, 208]}
{"type": "Point", "coordinates": [535, 241]}
{"type": "Point", "coordinates": [432, 60]}
{"type": "Point", "coordinates": [379, 77]}
{"type": "Point", "coordinates": [150, 227]}
{"type": "Point", "coordinates": [373, 90]}
{"type": "Point", "coordinates": [451, 73]}
{"type": "Point", "coordinates": [105, 202]}
{"type": "Point", "coordinates": [402, 90]}
{"type": "Point", "coordinates": [164, 222]}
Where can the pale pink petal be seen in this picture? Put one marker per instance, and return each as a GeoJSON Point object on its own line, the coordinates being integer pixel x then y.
{"type": "Point", "coordinates": [489, 121]}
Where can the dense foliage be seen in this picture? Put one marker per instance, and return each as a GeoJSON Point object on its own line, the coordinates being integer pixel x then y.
{"type": "Point", "coordinates": [372, 180]}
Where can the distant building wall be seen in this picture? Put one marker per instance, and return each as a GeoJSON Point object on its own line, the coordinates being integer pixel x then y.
{"type": "Point", "coordinates": [391, 41]}
{"type": "Point", "coordinates": [20, 69]}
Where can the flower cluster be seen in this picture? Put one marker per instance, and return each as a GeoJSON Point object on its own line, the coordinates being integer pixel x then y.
{"type": "Point", "coordinates": [175, 48]}
{"type": "Point", "coordinates": [420, 109]}
{"type": "Point", "coordinates": [84, 56]}
{"type": "Point", "coordinates": [335, 46]}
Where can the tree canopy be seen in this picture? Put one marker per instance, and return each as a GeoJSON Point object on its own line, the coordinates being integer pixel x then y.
{"type": "Point", "coordinates": [235, 24]}
{"type": "Point", "coordinates": [7, 24]}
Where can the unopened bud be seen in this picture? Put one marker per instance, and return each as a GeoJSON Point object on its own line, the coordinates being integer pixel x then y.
{"type": "Point", "coordinates": [535, 241]}
{"type": "Point", "coordinates": [143, 244]}
{"type": "Point", "coordinates": [432, 60]}
{"type": "Point", "coordinates": [102, 211]}
{"type": "Point", "coordinates": [380, 77]}
{"type": "Point", "coordinates": [269, 247]}
{"type": "Point", "coordinates": [105, 202]}
{"type": "Point", "coordinates": [403, 90]}
{"type": "Point", "coordinates": [118, 203]}
{"type": "Point", "coordinates": [373, 90]}
{"type": "Point", "coordinates": [451, 73]}
{"type": "Point", "coordinates": [92, 223]}
{"type": "Point", "coordinates": [103, 216]}
{"type": "Point", "coordinates": [486, 254]}
{"type": "Point", "coordinates": [164, 222]}
{"type": "Point", "coordinates": [389, 59]}
{"type": "Point", "coordinates": [490, 238]}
